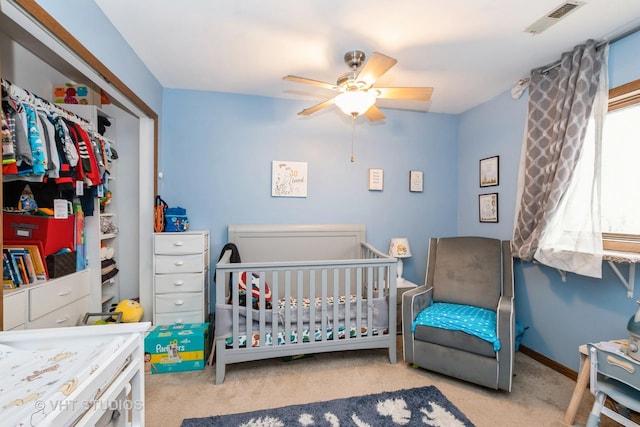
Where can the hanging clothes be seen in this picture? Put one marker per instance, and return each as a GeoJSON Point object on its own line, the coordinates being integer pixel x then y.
{"type": "Point", "coordinates": [43, 143]}
{"type": "Point", "coordinates": [38, 164]}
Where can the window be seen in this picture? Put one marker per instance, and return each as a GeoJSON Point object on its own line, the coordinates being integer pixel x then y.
{"type": "Point", "coordinates": [621, 170]}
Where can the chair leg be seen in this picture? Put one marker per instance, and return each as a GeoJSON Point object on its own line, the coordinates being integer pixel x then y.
{"type": "Point", "coordinates": [594, 415]}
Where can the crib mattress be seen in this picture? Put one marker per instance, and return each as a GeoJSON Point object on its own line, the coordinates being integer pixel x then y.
{"type": "Point", "coordinates": [36, 379]}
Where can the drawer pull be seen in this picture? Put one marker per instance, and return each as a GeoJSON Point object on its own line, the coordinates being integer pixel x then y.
{"type": "Point", "coordinates": [179, 302]}
{"type": "Point", "coordinates": [178, 243]}
{"type": "Point", "coordinates": [64, 319]}
{"type": "Point", "coordinates": [179, 283]}
{"type": "Point", "coordinates": [179, 263]}
{"type": "Point", "coordinates": [624, 365]}
{"type": "Point", "coordinates": [179, 321]}
{"type": "Point", "coordinates": [64, 293]}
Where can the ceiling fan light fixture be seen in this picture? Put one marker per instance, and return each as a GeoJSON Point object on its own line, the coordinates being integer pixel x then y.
{"type": "Point", "coordinates": [355, 102]}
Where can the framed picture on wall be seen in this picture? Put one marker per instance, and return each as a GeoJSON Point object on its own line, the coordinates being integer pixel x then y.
{"type": "Point", "coordinates": [376, 179]}
{"type": "Point", "coordinates": [288, 179]}
{"type": "Point", "coordinates": [490, 171]}
{"type": "Point", "coordinates": [488, 207]}
{"type": "Point", "coordinates": [415, 181]}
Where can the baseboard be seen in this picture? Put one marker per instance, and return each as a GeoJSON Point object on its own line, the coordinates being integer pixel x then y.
{"type": "Point", "coordinates": [550, 363]}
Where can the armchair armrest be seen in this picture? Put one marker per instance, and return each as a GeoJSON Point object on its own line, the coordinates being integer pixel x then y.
{"type": "Point", "coordinates": [506, 324]}
{"type": "Point", "coordinates": [413, 302]}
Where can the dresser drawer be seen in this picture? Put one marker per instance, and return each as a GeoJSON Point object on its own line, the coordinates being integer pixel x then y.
{"type": "Point", "coordinates": [188, 282]}
{"type": "Point", "coordinates": [57, 293]}
{"type": "Point", "coordinates": [179, 318]}
{"type": "Point", "coordinates": [15, 307]}
{"type": "Point", "coordinates": [178, 302]}
{"type": "Point", "coordinates": [179, 263]}
{"type": "Point", "coordinates": [178, 243]}
{"type": "Point", "coordinates": [69, 315]}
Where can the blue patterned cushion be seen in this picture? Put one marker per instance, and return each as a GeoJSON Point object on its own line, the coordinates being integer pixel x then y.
{"type": "Point", "coordinates": [476, 321]}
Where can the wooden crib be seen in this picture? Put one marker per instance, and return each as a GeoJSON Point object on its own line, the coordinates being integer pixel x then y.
{"type": "Point", "coordinates": [302, 289]}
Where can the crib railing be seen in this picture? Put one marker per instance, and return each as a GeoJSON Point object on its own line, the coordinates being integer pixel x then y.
{"type": "Point", "coordinates": [315, 306]}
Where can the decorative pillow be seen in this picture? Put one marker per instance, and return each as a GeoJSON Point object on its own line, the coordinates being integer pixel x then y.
{"type": "Point", "coordinates": [255, 291]}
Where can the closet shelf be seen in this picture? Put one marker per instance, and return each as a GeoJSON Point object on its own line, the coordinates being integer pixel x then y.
{"type": "Point", "coordinates": [107, 298]}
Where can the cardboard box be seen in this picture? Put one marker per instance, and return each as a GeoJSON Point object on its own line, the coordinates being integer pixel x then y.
{"type": "Point", "coordinates": [55, 234]}
{"type": "Point", "coordinates": [177, 348]}
{"type": "Point", "coordinates": [75, 94]}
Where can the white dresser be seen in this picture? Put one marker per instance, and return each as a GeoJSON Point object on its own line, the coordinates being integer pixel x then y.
{"type": "Point", "coordinates": [55, 303]}
{"type": "Point", "coordinates": [181, 277]}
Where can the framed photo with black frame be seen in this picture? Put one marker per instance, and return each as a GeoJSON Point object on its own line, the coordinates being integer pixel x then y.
{"type": "Point", "coordinates": [490, 171]}
{"type": "Point", "coordinates": [488, 207]}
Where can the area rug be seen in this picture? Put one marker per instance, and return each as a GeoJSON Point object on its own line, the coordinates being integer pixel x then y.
{"type": "Point", "coordinates": [422, 406]}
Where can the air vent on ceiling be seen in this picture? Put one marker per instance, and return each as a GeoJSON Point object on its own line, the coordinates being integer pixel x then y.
{"type": "Point", "coordinates": [554, 16]}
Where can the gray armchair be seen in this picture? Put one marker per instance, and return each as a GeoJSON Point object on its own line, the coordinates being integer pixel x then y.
{"type": "Point", "coordinates": [471, 271]}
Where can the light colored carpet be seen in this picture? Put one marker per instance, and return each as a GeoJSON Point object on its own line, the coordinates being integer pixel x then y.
{"type": "Point", "coordinates": [539, 394]}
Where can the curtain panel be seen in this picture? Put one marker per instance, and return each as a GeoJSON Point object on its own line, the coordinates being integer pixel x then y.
{"type": "Point", "coordinates": [557, 220]}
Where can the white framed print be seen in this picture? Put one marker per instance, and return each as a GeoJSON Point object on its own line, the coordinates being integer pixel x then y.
{"type": "Point", "coordinates": [288, 179]}
{"type": "Point", "coordinates": [376, 179]}
{"type": "Point", "coordinates": [415, 181]}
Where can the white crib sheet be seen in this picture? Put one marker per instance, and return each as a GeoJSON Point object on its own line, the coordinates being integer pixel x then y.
{"type": "Point", "coordinates": [36, 379]}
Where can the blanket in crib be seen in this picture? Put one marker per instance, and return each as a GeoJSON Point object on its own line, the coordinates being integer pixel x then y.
{"type": "Point", "coordinates": [293, 337]}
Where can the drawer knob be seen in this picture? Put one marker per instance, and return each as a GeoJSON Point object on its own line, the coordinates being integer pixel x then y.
{"type": "Point", "coordinates": [179, 263]}
{"type": "Point", "coordinates": [178, 243]}
{"type": "Point", "coordinates": [179, 302]}
{"type": "Point", "coordinates": [179, 282]}
{"type": "Point", "coordinates": [64, 293]}
{"type": "Point", "coordinates": [64, 319]}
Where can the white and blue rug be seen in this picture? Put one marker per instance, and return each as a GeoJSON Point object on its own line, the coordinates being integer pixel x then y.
{"type": "Point", "coordinates": [423, 406]}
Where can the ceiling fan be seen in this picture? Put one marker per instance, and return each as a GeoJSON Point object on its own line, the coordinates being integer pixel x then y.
{"type": "Point", "coordinates": [357, 94]}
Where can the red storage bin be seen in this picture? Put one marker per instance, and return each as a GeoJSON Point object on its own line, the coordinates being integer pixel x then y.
{"type": "Point", "coordinates": [55, 234]}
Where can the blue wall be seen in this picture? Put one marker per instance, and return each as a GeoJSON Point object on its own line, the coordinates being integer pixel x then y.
{"type": "Point", "coordinates": [217, 164]}
{"type": "Point", "coordinates": [217, 151]}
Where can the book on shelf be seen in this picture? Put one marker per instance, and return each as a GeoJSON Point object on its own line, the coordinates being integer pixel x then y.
{"type": "Point", "coordinates": [22, 265]}
{"type": "Point", "coordinates": [19, 257]}
{"type": "Point", "coordinates": [35, 262]}
{"type": "Point", "coordinates": [8, 273]}
{"type": "Point", "coordinates": [13, 268]}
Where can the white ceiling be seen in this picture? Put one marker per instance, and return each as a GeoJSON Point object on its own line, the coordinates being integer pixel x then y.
{"type": "Point", "coordinates": [468, 50]}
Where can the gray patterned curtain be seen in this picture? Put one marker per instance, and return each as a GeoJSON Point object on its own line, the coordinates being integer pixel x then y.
{"type": "Point", "coordinates": [561, 104]}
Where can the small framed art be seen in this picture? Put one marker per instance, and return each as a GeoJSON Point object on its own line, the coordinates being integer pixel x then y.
{"type": "Point", "coordinates": [376, 179]}
{"type": "Point", "coordinates": [415, 181]}
{"type": "Point", "coordinates": [288, 179]}
{"type": "Point", "coordinates": [488, 207]}
{"type": "Point", "coordinates": [490, 171]}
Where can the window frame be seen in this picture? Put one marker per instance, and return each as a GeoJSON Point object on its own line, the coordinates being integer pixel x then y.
{"type": "Point", "coordinates": [620, 97]}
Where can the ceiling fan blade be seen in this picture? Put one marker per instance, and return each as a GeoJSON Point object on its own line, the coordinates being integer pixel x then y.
{"type": "Point", "coordinates": [317, 107]}
{"type": "Point", "coordinates": [407, 93]}
{"type": "Point", "coordinates": [375, 67]}
{"type": "Point", "coordinates": [312, 82]}
{"type": "Point", "coordinates": [374, 114]}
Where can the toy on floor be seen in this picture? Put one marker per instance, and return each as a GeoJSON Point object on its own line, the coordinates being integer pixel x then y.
{"type": "Point", "coordinates": [131, 310]}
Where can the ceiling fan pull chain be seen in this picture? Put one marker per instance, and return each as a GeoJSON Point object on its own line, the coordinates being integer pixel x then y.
{"type": "Point", "coordinates": [353, 132]}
